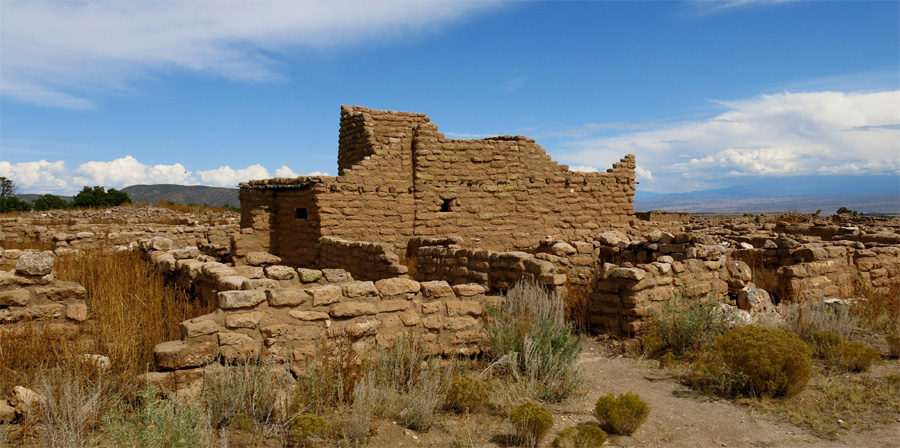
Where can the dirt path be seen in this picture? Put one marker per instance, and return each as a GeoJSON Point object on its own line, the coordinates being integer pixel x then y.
{"type": "Point", "coordinates": [678, 416]}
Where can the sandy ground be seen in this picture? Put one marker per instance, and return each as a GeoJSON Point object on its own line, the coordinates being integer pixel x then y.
{"type": "Point", "coordinates": [679, 417]}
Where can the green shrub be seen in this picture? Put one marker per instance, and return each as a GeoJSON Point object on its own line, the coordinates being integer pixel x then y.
{"type": "Point", "coordinates": [530, 334]}
{"type": "Point", "coordinates": [687, 325]}
{"type": "Point", "coordinates": [531, 422]}
{"type": "Point", "coordinates": [622, 414]}
{"type": "Point", "coordinates": [857, 357]}
{"type": "Point", "coordinates": [826, 344]}
{"type": "Point", "coordinates": [581, 436]}
{"type": "Point", "coordinates": [250, 390]}
{"type": "Point", "coordinates": [711, 377]}
{"type": "Point", "coordinates": [776, 362]}
{"type": "Point", "coordinates": [158, 423]}
{"type": "Point", "coordinates": [893, 341]}
{"type": "Point", "coordinates": [467, 394]}
{"type": "Point", "coordinates": [309, 429]}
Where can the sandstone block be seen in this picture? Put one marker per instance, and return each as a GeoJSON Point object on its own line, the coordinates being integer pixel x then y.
{"type": "Point", "coordinates": [324, 295]}
{"type": "Point", "coordinates": [198, 326]}
{"type": "Point", "coordinates": [240, 299]}
{"type": "Point", "coordinates": [249, 271]}
{"type": "Point", "coordinates": [287, 296]}
{"type": "Point", "coordinates": [410, 318]}
{"type": "Point", "coordinates": [237, 347]}
{"type": "Point", "coordinates": [280, 272]}
{"type": "Point", "coordinates": [77, 311]}
{"type": "Point", "coordinates": [435, 322]}
{"type": "Point", "coordinates": [57, 291]}
{"type": "Point", "coordinates": [33, 263]}
{"type": "Point", "coordinates": [468, 289]}
{"type": "Point", "coordinates": [389, 306]}
{"type": "Point", "coordinates": [309, 275]}
{"type": "Point", "coordinates": [230, 283]}
{"type": "Point", "coordinates": [27, 402]}
{"type": "Point", "coordinates": [243, 320]}
{"type": "Point", "coordinates": [174, 355]}
{"type": "Point", "coordinates": [552, 279]}
{"type": "Point", "coordinates": [352, 309]}
{"type": "Point", "coordinates": [755, 300]}
{"type": "Point", "coordinates": [455, 308]}
{"type": "Point", "coordinates": [291, 332]}
{"type": "Point", "coordinates": [359, 289]}
{"type": "Point", "coordinates": [16, 297]}
{"type": "Point", "coordinates": [614, 239]}
{"type": "Point", "coordinates": [259, 284]}
{"type": "Point", "coordinates": [7, 412]}
{"type": "Point", "coordinates": [184, 253]}
{"type": "Point", "coordinates": [262, 259]}
{"type": "Point", "coordinates": [436, 289]}
{"type": "Point", "coordinates": [629, 273]}
{"type": "Point", "coordinates": [396, 286]}
{"type": "Point", "coordinates": [160, 243]}
{"type": "Point", "coordinates": [562, 249]}
{"type": "Point", "coordinates": [336, 275]}
{"type": "Point", "coordinates": [309, 315]}
{"type": "Point", "coordinates": [360, 329]}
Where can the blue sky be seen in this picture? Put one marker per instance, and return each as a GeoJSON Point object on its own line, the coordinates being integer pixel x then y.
{"type": "Point", "coordinates": [707, 94]}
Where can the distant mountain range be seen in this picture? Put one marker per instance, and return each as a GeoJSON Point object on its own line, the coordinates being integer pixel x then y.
{"type": "Point", "coordinates": [184, 194]}
{"type": "Point", "coordinates": [804, 194]}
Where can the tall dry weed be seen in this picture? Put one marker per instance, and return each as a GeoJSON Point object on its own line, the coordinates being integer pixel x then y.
{"type": "Point", "coordinates": [133, 306]}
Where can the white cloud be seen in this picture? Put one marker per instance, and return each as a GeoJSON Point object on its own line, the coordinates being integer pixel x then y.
{"type": "Point", "coordinates": [60, 53]}
{"type": "Point", "coordinates": [769, 135]}
{"type": "Point", "coordinates": [284, 171]}
{"type": "Point", "coordinates": [54, 177]}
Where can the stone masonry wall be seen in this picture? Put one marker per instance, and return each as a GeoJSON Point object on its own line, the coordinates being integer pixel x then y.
{"type": "Point", "coordinates": [285, 315]}
{"type": "Point", "coordinates": [31, 293]}
{"type": "Point", "coordinates": [400, 178]}
{"type": "Point", "coordinates": [365, 260]}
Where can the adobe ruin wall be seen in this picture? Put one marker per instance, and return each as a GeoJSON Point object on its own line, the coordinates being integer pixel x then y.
{"type": "Point", "coordinates": [400, 178]}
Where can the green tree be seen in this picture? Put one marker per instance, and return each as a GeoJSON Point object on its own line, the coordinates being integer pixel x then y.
{"type": "Point", "coordinates": [115, 197]}
{"type": "Point", "coordinates": [8, 202]}
{"type": "Point", "coordinates": [50, 202]}
{"type": "Point", "coordinates": [90, 197]}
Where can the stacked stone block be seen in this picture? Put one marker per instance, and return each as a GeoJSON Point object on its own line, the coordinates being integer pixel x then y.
{"type": "Point", "coordinates": [32, 294]}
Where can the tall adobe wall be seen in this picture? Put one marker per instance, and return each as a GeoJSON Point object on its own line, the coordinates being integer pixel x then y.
{"type": "Point", "coordinates": [400, 178]}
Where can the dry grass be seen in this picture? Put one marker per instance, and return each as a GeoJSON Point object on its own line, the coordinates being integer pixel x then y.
{"type": "Point", "coordinates": [764, 276]}
{"type": "Point", "coordinates": [838, 404]}
{"type": "Point", "coordinates": [133, 306]}
{"type": "Point", "coordinates": [577, 307]}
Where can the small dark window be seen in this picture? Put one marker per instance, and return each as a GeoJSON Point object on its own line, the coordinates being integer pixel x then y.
{"type": "Point", "coordinates": [445, 207]}
{"type": "Point", "coordinates": [301, 213]}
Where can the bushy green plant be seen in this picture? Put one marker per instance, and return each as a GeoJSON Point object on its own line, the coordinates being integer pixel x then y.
{"type": "Point", "coordinates": [826, 344]}
{"type": "Point", "coordinates": [250, 390]}
{"type": "Point", "coordinates": [530, 333]}
{"type": "Point", "coordinates": [581, 436]}
{"type": "Point", "coordinates": [467, 394]}
{"type": "Point", "coordinates": [158, 423]}
{"type": "Point", "coordinates": [685, 325]}
{"type": "Point", "coordinates": [410, 389]}
{"type": "Point", "coordinates": [893, 341]}
{"type": "Point", "coordinates": [309, 429]}
{"type": "Point", "coordinates": [776, 362]}
{"type": "Point", "coordinates": [622, 414]}
{"type": "Point", "coordinates": [711, 377]}
{"type": "Point", "coordinates": [531, 422]}
{"type": "Point", "coordinates": [857, 357]}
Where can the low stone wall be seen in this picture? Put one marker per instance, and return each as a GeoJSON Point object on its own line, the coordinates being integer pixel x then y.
{"type": "Point", "coordinates": [31, 293]}
{"type": "Point", "coordinates": [285, 315]}
{"type": "Point", "coordinates": [497, 271]}
{"type": "Point", "coordinates": [365, 260]}
{"type": "Point", "coordinates": [69, 230]}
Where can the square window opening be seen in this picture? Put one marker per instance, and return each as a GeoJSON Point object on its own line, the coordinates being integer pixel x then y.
{"type": "Point", "coordinates": [445, 207]}
{"type": "Point", "coordinates": [302, 214]}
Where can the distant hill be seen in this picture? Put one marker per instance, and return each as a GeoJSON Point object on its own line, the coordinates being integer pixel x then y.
{"type": "Point", "coordinates": [865, 203]}
{"type": "Point", "coordinates": [30, 197]}
{"type": "Point", "coordinates": [184, 194]}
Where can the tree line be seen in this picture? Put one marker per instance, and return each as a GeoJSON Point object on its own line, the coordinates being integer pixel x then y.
{"type": "Point", "coordinates": [96, 196]}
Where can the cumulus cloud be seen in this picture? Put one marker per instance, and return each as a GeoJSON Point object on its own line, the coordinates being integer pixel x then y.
{"type": "Point", "coordinates": [55, 177]}
{"type": "Point", "coordinates": [60, 53]}
{"type": "Point", "coordinates": [769, 135]}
